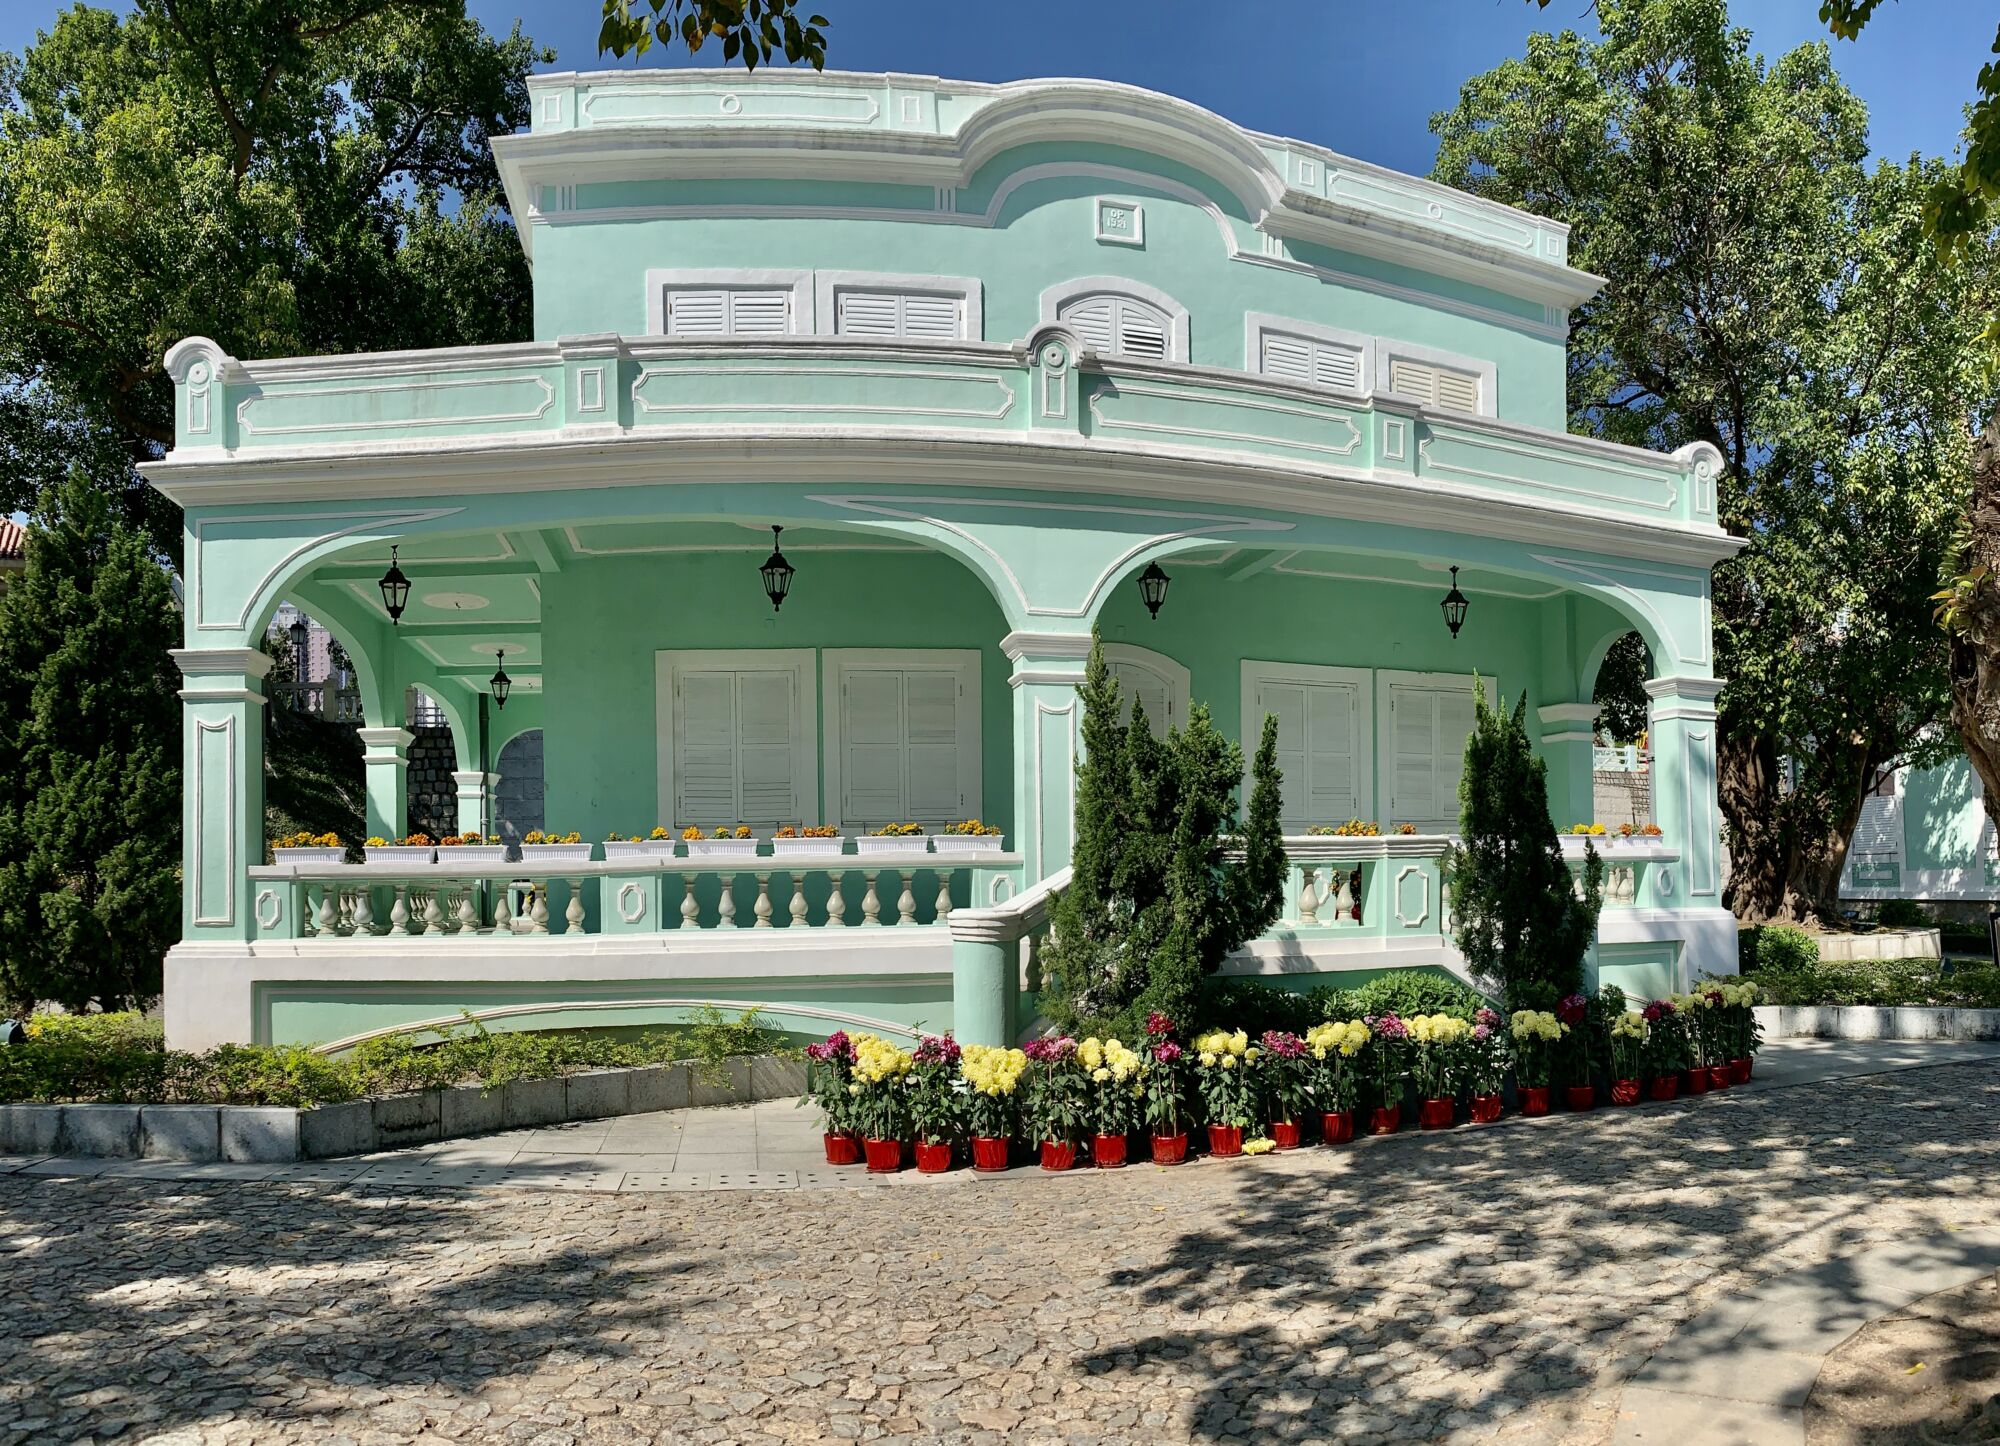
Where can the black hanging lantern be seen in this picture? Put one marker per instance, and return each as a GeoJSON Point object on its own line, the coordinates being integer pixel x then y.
{"type": "Point", "coordinates": [1454, 605]}
{"type": "Point", "coordinates": [395, 589]}
{"type": "Point", "coordinates": [301, 636]}
{"type": "Point", "coordinates": [777, 572]}
{"type": "Point", "coordinates": [501, 684]}
{"type": "Point", "coordinates": [1153, 587]}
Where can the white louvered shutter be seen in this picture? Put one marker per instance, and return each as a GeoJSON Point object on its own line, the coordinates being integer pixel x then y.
{"type": "Point", "coordinates": [1413, 736]}
{"type": "Point", "coordinates": [1318, 724]}
{"type": "Point", "coordinates": [1120, 325]}
{"type": "Point", "coordinates": [1287, 703]}
{"type": "Point", "coordinates": [735, 750]}
{"type": "Point", "coordinates": [1454, 725]}
{"type": "Point", "coordinates": [1310, 362]}
{"type": "Point", "coordinates": [1435, 387]}
{"type": "Point", "coordinates": [930, 713]}
{"type": "Point", "coordinates": [1140, 684]}
{"type": "Point", "coordinates": [729, 311]}
{"type": "Point", "coordinates": [908, 315]}
{"type": "Point", "coordinates": [871, 730]}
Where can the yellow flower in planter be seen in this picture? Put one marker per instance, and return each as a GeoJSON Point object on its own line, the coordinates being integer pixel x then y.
{"type": "Point", "coordinates": [877, 1060]}
{"type": "Point", "coordinates": [1259, 1146]}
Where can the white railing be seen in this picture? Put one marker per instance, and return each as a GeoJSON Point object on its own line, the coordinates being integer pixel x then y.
{"type": "Point", "coordinates": [1623, 758]}
{"type": "Point", "coordinates": [329, 700]}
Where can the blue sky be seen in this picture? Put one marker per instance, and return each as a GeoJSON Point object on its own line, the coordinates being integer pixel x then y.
{"type": "Point", "coordinates": [1360, 76]}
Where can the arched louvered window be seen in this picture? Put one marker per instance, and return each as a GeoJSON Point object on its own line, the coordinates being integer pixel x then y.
{"type": "Point", "coordinates": [1120, 325]}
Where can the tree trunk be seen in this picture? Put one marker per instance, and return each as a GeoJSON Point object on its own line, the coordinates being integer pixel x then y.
{"type": "Point", "coordinates": [1813, 890]}
{"type": "Point", "coordinates": [1747, 779]}
{"type": "Point", "coordinates": [1975, 641]}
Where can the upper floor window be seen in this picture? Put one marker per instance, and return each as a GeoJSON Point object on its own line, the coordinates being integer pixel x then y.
{"type": "Point", "coordinates": [1442, 381]}
{"type": "Point", "coordinates": [892, 306]}
{"type": "Point", "coordinates": [1311, 356]}
{"type": "Point", "coordinates": [729, 311]}
{"type": "Point", "coordinates": [1115, 317]}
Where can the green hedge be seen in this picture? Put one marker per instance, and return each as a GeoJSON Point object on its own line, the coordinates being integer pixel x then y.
{"type": "Point", "coordinates": [123, 1059]}
{"type": "Point", "coordinates": [1789, 980]}
{"type": "Point", "coordinates": [1249, 1005]}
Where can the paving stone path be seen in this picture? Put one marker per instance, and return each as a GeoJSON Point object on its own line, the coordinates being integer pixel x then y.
{"type": "Point", "coordinates": [1482, 1284]}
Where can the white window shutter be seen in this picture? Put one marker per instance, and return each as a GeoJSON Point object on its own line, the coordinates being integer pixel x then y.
{"type": "Point", "coordinates": [697, 313]}
{"type": "Point", "coordinates": [1417, 382]}
{"type": "Point", "coordinates": [909, 315]}
{"type": "Point", "coordinates": [1336, 367]}
{"type": "Point", "coordinates": [705, 793]}
{"type": "Point", "coordinates": [1330, 724]}
{"type": "Point", "coordinates": [760, 313]}
{"type": "Point", "coordinates": [1436, 387]}
{"type": "Point", "coordinates": [1093, 320]}
{"type": "Point", "coordinates": [767, 751]}
{"type": "Point", "coordinates": [1413, 755]}
{"type": "Point", "coordinates": [1147, 688]}
{"type": "Point", "coordinates": [931, 317]}
{"type": "Point", "coordinates": [930, 711]}
{"type": "Point", "coordinates": [1142, 330]}
{"type": "Point", "coordinates": [1457, 392]}
{"type": "Point", "coordinates": [1120, 325]}
{"type": "Point", "coordinates": [1287, 703]}
{"type": "Point", "coordinates": [1455, 720]}
{"type": "Point", "coordinates": [1310, 362]}
{"type": "Point", "coordinates": [871, 730]}
{"type": "Point", "coordinates": [1288, 358]}
{"type": "Point", "coordinates": [866, 313]}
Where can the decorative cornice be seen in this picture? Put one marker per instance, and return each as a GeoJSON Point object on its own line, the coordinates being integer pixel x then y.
{"type": "Point", "coordinates": [1692, 690]}
{"type": "Point", "coordinates": [221, 662]}
{"type": "Point", "coordinates": [1021, 644]}
{"type": "Point", "coordinates": [1554, 713]}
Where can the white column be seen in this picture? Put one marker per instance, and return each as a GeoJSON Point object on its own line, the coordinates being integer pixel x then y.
{"type": "Point", "coordinates": [1683, 734]}
{"type": "Point", "coordinates": [1048, 724]}
{"type": "Point", "coordinates": [386, 757]}
{"type": "Point", "coordinates": [222, 788]}
{"type": "Point", "coordinates": [474, 789]}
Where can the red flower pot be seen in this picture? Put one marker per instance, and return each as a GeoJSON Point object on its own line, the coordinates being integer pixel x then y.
{"type": "Point", "coordinates": [885, 1157]}
{"type": "Point", "coordinates": [1697, 1081]}
{"type": "Point", "coordinates": [933, 1159]}
{"type": "Point", "coordinates": [1485, 1109]}
{"type": "Point", "coordinates": [1337, 1128]}
{"type": "Point", "coordinates": [989, 1153]}
{"type": "Point", "coordinates": [1436, 1114]}
{"type": "Point", "coordinates": [1624, 1092]}
{"type": "Point", "coordinates": [1107, 1152]}
{"type": "Point", "coordinates": [1385, 1121]}
{"type": "Point", "coordinates": [1721, 1077]}
{"type": "Point", "coordinates": [1580, 1097]}
{"type": "Point", "coordinates": [1225, 1140]}
{"type": "Point", "coordinates": [1739, 1070]}
{"type": "Point", "coordinates": [1058, 1154]}
{"type": "Point", "coordinates": [1534, 1099]}
{"type": "Point", "coordinates": [1666, 1086]}
{"type": "Point", "coordinates": [1285, 1134]}
{"type": "Point", "coordinates": [842, 1150]}
{"type": "Point", "coordinates": [1169, 1149]}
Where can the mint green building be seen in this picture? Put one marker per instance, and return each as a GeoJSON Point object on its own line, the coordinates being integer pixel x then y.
{"type": "Point", "coordinates": [995, 358]}
{"type": "Point", "coordinates": [1923, 834]}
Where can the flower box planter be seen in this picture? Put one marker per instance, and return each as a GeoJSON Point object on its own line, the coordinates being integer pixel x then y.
{"type": "Point", "coordinates": [1170, 1149]}
{"type": "Point", "coordinates": [1058, 1154]}
{"type": "Point", "coordinates": [1485, 1109]}
{"type": "Point", "coordinates": [870, 843]}
{"type": "Point", "coordinates": [989, 1154]}
{"type": "Point", "coordinates": [1385, 1121]}
{"type": "Point", "coordinates": [885, 1157]}
{"type": "Point", "coordinates": [842, 1149]}
{"type": "Point", "coordinates": [1580, 1097]}
{"type": "Point", "coordinates": [1739, 1070]}
{"type": "Point", "coordinates": [1534, 1099]}
{"type": "Point", "coordinates": [315, 855]}
{"type": "Point", "coordinates": [1107, 1152]}
{"type": "Point", "coordinates": [399, 855]}
{"type": "Point", "coordinates": [1436, 1114]}
{"type": "Point", "coordinates": [472, 854]}
{"type": "Point", "coordinates": [722, 848]}
{"type": "Point", "coordinates": [1225, 1140]}
{"type": "Point", "coordinates": [933, 1158]}
{"type": "Point", "coordinates": [1697, 1080]}
{"type": "Point", "coordinates": [641, 851]}
{"type": "Point", "coordinates": [1721, 1077]}
{"type": "Point", "coordinates": [783, 847]}
{"type": "Point", "coordinates": [1285, 1134]}
{"type": "Point", "coordinates": [1337, 1127]}
{"type": "Point", "coordinates": [1665, 1086]}
{"type": "Point", "coordinates": [556, 853]}
{"type": "Point", "coordinates": [1624, 1092]}
{"type": "Point", "coordinates": [966, 843]}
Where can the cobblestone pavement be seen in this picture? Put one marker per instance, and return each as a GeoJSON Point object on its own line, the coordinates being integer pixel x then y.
{"type": "Point", "coordinates": [1481, 1284]}
{"type": "Point", "coordinates": [1928, 1375]}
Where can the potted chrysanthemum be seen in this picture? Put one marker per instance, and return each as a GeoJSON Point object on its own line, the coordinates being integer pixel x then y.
{"type": "Point", "coordinates": [1536, 1034]}
{"type": "Point", "coordinates": [471, 848]}
{"type": "Point", "coordinates": [309, 848]}
{"type": "Point", "coordinates": [831, 1075]}
{"type": "Point", "coordinates": [1115, 1094]}
{"type": "Point", "coordinates": [892, 838]}
{"type": "Point", "coordinates": [1666, 1048]}
{"type": "Point", "coordinates": [415, 848]}
{"type": "Point", "coordinates": [1436, 1064]}
{"type": "Point", "coordinates": [1281, 1085]}
{"type": "Point", "coordinates": [1388, 1065]}
{"type": "Point", "coordinates": [934, 1101]}
{"type": "Point", "coordinates": [1574, 1055]}
{"type": "Point", "coordinates": [1166, 1091]}
{"type": "Point", "coordinates": [1222, 1072]}
{"type": "Point", "coordinates": [1486, 1066]}
{"type": "Point", "coordinates": [1333, 1075]}
{"type": "Point", "coordinates": [991, 1077]}
{"type": "Point", "coordinates": [542, 847]}
{"type": "Point", "coordinates": [659, 844]}
{"type": "Point", "coordinates": [1056, 1103]}
{"type": "Point", "coordinates": [881, 1101]}
{"type": "Point", "coordinates": [817, 838]}
{"type": "Point", "coordinates": [1627, 1037]}
{"type": "Point", "coordinates": [968, 835]}
{"type": "Point", "coordinates": [729, 841]}
{"type": "Point", "coordinates": [1745, 1035]}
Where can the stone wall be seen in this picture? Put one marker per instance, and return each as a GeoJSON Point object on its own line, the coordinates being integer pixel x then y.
{"type": "Point", "coordinates": [433, 795]}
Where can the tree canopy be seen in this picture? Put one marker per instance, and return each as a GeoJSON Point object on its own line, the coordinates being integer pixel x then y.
{"type": "Point", "coordinates": [1772, 294]}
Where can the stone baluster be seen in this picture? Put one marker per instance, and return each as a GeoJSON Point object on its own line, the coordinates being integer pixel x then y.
{"type": "Point", "coordinates": [797, 908]}
{"type": "Point", "coordinates": [836, 906]}
{"type": "Point", "coordinates": [503, 908]}
{"type": "Point", "coordinates": [399, 913]}
{"type": "Point", "coordinates": [1343, 897]}
{"type": "Point", "coordinates": [364, 912]}
{"type": "Point", "coordinates": [329, 911]}
{"type": "Point", "coordinates": [539, 914]}
{"type": "Point", "coordinates": [871, 902]}
{"type": "Point", "coordinates": [1309, 897]}
{"type": "Point", "coordinates": [906, 902]}
{"type": "Point", "coordinates": [942, 908]}
{"type": "Point", "coordinates": [573, 914]}
{"type": "Point", "coordinates": [762, 908]}
{"type": "Point", "coordinates": [468, 912]}
{"type": "Point", "coordinates": [434, 913]}
{"type": "Point", "coordinates": [690, 910]}
{"type": "Point", "coordinates": [726, 905]}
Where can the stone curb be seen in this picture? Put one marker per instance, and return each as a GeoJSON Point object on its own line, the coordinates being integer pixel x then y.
{"type": "Point", "coordinates": [255, 1134]}
{"type": "Point", "coordinates": [1857, 1021]}
{"type": "Point", "coordinates": [1740, 1373]}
